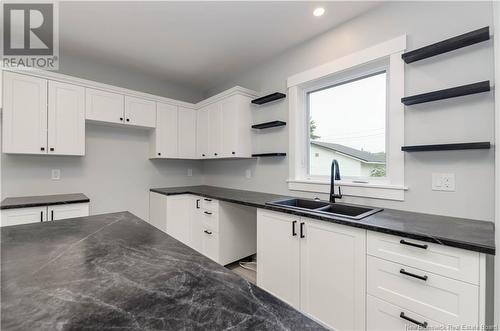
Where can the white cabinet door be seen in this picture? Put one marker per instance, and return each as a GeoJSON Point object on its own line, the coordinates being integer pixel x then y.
{"type": "Point", "coordinates": [104, 106]}
{"type": "Point", "coordinates": [179, 217]}
{"type": "Point", "coordinates": [278, 251]}
{"type": "Point", "coordinates": [24, 122]}
{"type": "Point", "coordinates": [158, 210]}
{"type": "Point", "coordinates": [165, 134]}
{"type": "Point", "coordinates": [214, 130]}
{"type": "Point", "coordinates": [333, 274]}
{"type": "Point", "coordinates": [140, 112]}
{"type": "Point", "coordinates": [60, 212]}
{"type": "Point", "coordinates": [210, 243]}
{"type": "Point", "coordinates": [19, 216]}
{"type": "Point", "coordinates": [229, 115]}
{"type": "Point", "coordinates": [202, 128]}
{"type": "Point", "coordinates": [197, 226]}
{"type": "Point", "coordinates": [187, 133]}
{"type": "Point", "coordinates": [66, 119]}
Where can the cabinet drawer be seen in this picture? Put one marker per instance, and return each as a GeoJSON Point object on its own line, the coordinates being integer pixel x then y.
{"type": "Point", "coordinates": [383, 316]}
{"type": "Point", "coordinates": [210, 243]}
{"type": "Point", "coordinates": [210, 204]}
{"type": "Point", "coordinates": [446, 261]}
{"type": "Point", "coordinates": [442, 299]}
{"type": "Point", "coordinates": [210, 219]}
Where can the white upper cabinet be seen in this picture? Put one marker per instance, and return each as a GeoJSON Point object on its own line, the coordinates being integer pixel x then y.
{"type": "Point", "coordinates": [236, 126]}
{"type": "Point", "coordinates": [104, 106]}
{"type": "Point", "coordinates": [164, 141]}
{"type": "Point", "coordinates": [140, 112]}
{"type": "Point", "coordinates": [202, 129]}
{"type": "Point", "coordinates": [214, 130]}
{"type": "Point", "coordinates": [24, 120]}
{"type": "Point", "coordinates": [187, 133]}
{"type": "Point", "coordinates": [66, 119]}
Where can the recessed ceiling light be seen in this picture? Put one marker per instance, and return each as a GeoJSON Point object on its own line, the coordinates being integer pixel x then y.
{"type": "Point", "coordinates": [319, 11]}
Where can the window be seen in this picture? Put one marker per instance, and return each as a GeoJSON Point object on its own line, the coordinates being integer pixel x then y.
{"type": "Point", "coordinates": [350, 110]}
{"type": "Point", "coordinates": [347, 122]}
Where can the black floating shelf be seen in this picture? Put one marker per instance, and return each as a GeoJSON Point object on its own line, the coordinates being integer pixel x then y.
{"type": "Point", "coordinates": [448, 93]}
{"type": "Point", "coordinates": [268, 154]}
{"type": "Point", "coordinates": [446, 147]}
{"type": "Point", "coordinates": [464, 40]}
{"type": "Point", "coordinates": [268, 98]}
{"type": "Point", "coordinates": [267, 125]}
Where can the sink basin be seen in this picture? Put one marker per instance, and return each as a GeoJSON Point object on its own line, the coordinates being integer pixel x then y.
{"type": "Point", "coordinates": [301, 203]}
{"type": "Point", "coordinates": [326, 208]}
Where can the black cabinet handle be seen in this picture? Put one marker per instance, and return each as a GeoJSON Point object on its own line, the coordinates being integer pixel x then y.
{"type": "Point", "coordinates": [51, 215]}
{"type": "Point", "coordinates": [208, 232]}
{"type": "Point", "coordinates": [52, 149]}
{"type": "Point", "coordinates": [404, 242]}
{"type": "Point", "coordinates": [233, 153]}
{"type": "Point", "coordinates": [42, 148]}
{"type": "Point", "coordinates": [404, 272]}
{"type": "Point", "coordinates": [197, 203]}
{"type": "Point", "coordinates": [159, 153]}
{"type": "Point", "coordinates": [207, 199]}
{"type": "Point", "coordinates": [302, 230]}
{"type": "Point", "coordinates": [409, 319]}
{"type": "Point", "coordinates": [294, 233]}
{"type": "Point", "coordinates": [121, 118]}
{"type": "Point", "coordinates": [41, 216]}
{"type": "Point", "coordinates": [215, 154]}
{"type": "Point", "coordinates": [208, 213]}
{"type": "Point", "coordinates": [128, 119]}
{"type": "Point", "coordinates": [202, 154]}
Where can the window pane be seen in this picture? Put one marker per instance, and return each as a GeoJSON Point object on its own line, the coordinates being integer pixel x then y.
{"type": "Point", "coordinates": [347, 123]}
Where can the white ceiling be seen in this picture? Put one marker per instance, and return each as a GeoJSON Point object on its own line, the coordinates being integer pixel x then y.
{"type": "Point", "coordinates": [196, 44]}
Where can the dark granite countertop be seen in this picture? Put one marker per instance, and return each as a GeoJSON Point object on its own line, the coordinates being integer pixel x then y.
{"type": "Point", "coordinates": [43, 200]}
{"type": "Point", "coordinates": [462, 233]}
{"type": "Point", "coordinates": [115, 271]}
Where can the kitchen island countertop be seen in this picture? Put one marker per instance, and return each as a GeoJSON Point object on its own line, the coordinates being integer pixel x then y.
{"type": "Point", "coordinates": [115, 271]}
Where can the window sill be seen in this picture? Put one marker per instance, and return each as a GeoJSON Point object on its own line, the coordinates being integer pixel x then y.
{"type": "Point", "coordinates": [365, 190]}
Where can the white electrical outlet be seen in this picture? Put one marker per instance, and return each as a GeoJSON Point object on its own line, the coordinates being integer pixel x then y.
{"type": "Point", "coordinates": [56, 174]}
{"type": "Point", "coordinates": [248, 173]}
{"type": "Point", "coordinates": [443, 182]}
{"type": "Point", "coordinates": [190, 172]}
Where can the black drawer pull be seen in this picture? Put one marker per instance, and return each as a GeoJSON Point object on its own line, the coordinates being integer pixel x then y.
{"type": "Point", "coordinates": [51, 215]}
{"type": "Point", "coordinates": [208, 232]}
{"type": "Point", "coordinates": [302, 230]}
{"type": "Point", "coordinates": [294, 233]}
{"type": "Point", "coordinates": [208, 213]}
{"type": "Point", "coordinates": [404, 242]}
{"type": "Point", "coordinates": [409, 319]}
{"type": "Point", "coordinates": [197, 203]}
{"type": "Point", "coordinates": [41, 216]}
{"type": "Point", "coordinates": [404, 272]}
{"type": "Point", "coordinates": [208, 200]}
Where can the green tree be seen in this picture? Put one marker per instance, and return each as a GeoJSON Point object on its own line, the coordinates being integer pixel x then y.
{"type": "Point", "coordinates": [312, 129]}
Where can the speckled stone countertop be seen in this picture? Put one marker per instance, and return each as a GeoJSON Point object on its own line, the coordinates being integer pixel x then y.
{"type": "Point", "coordinates": [462, 233]}
{"type": "Point", "coordinates": [115, 271]}
{"type": "Point", "coordinates": [43, 200]}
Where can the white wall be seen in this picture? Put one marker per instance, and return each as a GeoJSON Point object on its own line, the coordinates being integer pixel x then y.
{"type": "Point", "coordinates": [115, 173]}
{"type": "Point", "coordinates": [463, 119]}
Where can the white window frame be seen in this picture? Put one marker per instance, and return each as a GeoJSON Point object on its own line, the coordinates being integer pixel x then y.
{"type": "Point", "coordinates": [390, 187]}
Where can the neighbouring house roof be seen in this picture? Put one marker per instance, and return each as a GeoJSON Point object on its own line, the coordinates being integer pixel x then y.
{"type": "Point", "coordinates": [352, 152]}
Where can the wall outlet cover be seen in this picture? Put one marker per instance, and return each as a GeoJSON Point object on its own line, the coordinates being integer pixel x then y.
{"type": "Point", "coordinates": [56, 174]}
{"type": "Point", "coordinates": [443, 182]}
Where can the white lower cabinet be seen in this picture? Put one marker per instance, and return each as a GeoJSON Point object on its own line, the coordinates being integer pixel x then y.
{"type": "Point", "coordinates": [17, 216]}
{"type": "Point", "coordinates": [314, 266]}
{"type": "Point", "coordinates": [224, 232]}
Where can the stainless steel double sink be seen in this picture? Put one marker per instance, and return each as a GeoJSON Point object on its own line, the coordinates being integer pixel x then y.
{"type": "Point", "coordinates": [326, 208]}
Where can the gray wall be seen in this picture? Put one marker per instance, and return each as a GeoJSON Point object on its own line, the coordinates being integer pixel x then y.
{"type": "Point", "coordinates": [115, 173]}
{"type": "Point", "coordinates": [463, 119]}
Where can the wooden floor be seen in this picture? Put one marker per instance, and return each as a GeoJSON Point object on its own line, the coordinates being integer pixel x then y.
{"type": "Point", "coordinates": [249, 275]}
